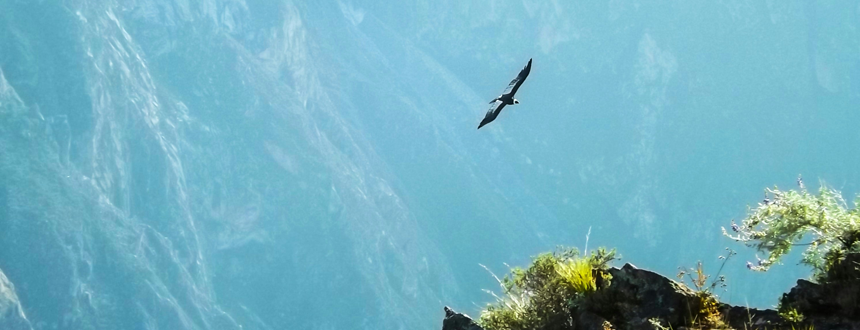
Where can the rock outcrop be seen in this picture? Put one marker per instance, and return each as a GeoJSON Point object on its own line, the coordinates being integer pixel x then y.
{"type": "Point", "coordinates": [833, 304]}
{"type": "Point", "coordinates": [638, 295]}
{"type": "Point", "coordinates": [458, 321]}
{"type": "Point", "coordinates": [641, 299]}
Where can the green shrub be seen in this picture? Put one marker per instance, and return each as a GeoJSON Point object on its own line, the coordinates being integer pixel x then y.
{"type": "Point", "coordinates": [543, 295]}
{"type": "Point", "coordinates": [775, 226]}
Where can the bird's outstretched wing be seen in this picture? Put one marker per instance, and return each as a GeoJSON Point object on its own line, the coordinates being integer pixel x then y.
{"type": "Point", "coordinates": [518, 81]}
{"type": "Point", "coordinates": [497, 105]}
{"type": "Point", "coordinates": [492, 113]}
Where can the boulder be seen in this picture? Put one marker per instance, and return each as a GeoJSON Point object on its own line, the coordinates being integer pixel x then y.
{"type": "Point", "coordinates": [829, 299]}
{"type": "Point", "coordinates": [837, 297]}
{"type": "Point", "coordinates": [638, 295]}
{"type": "Point", "coordinates": [458, 321]}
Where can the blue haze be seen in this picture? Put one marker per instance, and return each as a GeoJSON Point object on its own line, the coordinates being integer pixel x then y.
{"type": "Point", "coordinates": [220, 164]}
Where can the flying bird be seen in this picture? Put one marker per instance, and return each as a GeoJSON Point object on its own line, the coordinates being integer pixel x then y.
{"type": "Point", "coordinates": [507, 96]}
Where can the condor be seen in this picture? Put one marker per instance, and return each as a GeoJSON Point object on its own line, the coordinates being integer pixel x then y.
{"type": "Point", "coordinates": [507, 96]}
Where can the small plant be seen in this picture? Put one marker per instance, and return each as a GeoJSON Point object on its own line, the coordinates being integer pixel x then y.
{"type": "Point", "coordinates": [792, 315]}
{"type": "Point", "coordinates": [543, 295]}
{"type": "Point", "coordinates": [707, 305]}
{"type": "Point", "coordinates": [700, 280]}
{"type": "Point", "coordinates": [607, 326]}
{"type": "Point", "coordinates": [577, 275]}
{"type": "Point", "coordinates": [586, 275]}
{"type": "Point", "coordinates": [778, 224]}
{"type": "Point", "coordinates": [657, 324]}
{"type": "Point", "coordinates": [709, 315]}
{"type": "Point", "coordinates": [788, 312]}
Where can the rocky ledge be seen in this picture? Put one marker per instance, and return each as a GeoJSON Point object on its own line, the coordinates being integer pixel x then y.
{"type": "Point", "coordinates": [641, 299]}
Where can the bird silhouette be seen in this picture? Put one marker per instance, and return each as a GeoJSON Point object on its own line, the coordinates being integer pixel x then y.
{"type": "Point", "coordinates": [507, 96]}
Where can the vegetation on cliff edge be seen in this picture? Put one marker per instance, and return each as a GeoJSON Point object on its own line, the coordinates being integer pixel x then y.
{"type": "Point", "coordinates": [785, 218]}
{"type": "Point", "coordinates": [543, 295]}
{"type": "Point", "coordinates": [559, 285]}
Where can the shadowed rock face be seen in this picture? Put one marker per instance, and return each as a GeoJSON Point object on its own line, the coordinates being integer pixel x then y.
{"type": "Point", "coordinates": [458, 321]}
{"type": "Point", "coordinates": [640, 295]}
{"type": "Point", "coordinates": [833, 304]}
{"type": "Point", "coordinates": [832, 299]}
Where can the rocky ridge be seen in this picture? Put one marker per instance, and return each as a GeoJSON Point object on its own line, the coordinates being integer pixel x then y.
{"type": "Point", "coordinates": [641, 299]}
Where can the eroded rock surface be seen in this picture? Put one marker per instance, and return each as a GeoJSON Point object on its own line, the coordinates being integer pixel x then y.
{"type": "Point", "coordinates": [458, 321]}
{"type": "Point", "coordinates": [638, 295]}
{"type": "Point", "coordinates": [11, 313]}
{"type": "Point", "coordinates": [832, 305]}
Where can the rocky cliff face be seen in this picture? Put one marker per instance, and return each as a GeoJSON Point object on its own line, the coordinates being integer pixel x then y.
{"type": "Point", "coordinates": [223, 163]}
{"type": "Point", "coordinates": [11, 313]}
{"type": "Point", "coordinates": [216, 165]}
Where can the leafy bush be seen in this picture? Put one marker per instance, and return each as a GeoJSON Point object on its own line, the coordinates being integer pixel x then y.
{"type": "Point", "coordinates": [775, 226]}
{"type": "Point", "coordinates": [543, 295]}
